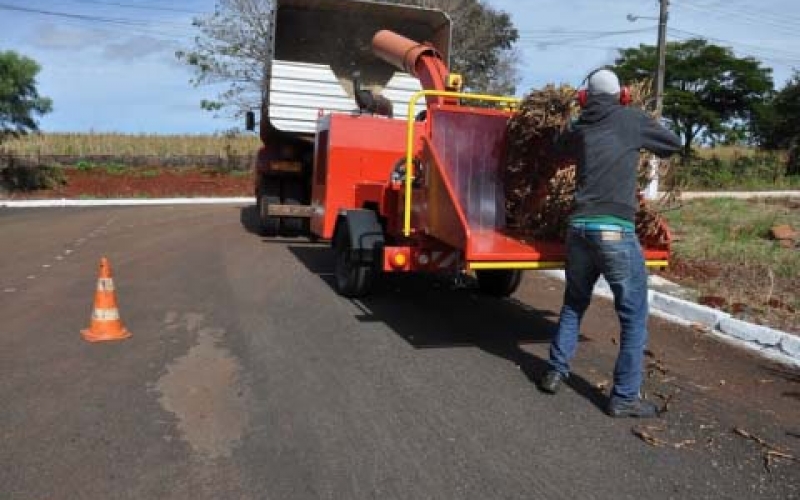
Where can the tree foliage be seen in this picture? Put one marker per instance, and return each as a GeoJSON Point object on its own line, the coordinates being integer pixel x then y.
{"type": "Point", "coordinates": [20, 102]}
{"type": "Point", "coordinates": [483, 44]}
{"type": "Point", "coordinates": [779, 119]}
{"type": "Point", "coordinates": [708, 91]}
{"type": "Point", "coordinates": [233, 47]}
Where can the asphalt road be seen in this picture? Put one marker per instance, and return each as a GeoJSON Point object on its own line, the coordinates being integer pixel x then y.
{"type": "Point", "coordinates": [248, 377]}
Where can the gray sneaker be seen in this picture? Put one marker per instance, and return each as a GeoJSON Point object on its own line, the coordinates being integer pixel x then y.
{"type": "Point", "coordinates": [636, 408]}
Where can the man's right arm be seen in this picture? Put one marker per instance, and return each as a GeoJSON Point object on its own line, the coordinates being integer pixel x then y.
{"type": "Point", "coordinates": [657, 139]}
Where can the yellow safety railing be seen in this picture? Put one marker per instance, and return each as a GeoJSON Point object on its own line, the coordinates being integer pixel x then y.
{"type": "Point", "coordinates": [539, 265]}
{"type": "Point", "coordinates": [410, 137]}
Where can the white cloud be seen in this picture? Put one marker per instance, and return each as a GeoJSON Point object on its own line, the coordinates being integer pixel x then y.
{"type": "Point", "coordinates": [137, 47]}
{"type": "Point", "coordinates": [49, 36]}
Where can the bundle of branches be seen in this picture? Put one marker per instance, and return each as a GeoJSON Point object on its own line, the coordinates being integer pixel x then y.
{"type": "Point", "coordinates": [540, 182]}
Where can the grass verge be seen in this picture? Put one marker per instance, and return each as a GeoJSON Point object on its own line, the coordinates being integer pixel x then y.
{"type": "Point", "coordinates": [723, 250]}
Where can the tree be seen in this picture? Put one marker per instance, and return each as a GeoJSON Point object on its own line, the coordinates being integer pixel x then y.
{"type": "Point", "coordinates": [20, 102]}
{"type": "Point", "coordinates": [779, 119]}
{"type": "Point", "coordinates": [233, 48]}
{"type": "Point", "coordinates": [707, 89]}
{"type": "Point", "coordinates": [234, 45]}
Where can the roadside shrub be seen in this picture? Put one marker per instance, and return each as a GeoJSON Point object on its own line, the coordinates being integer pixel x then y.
{"type": "Point", "coordinates": [84, 166]}
{"type": "Point", "coordinates": [755, 171]}
{"type": "Point", "coordinates": [16, 175]}
{"type": "Point", "coordinates": [793, 162]}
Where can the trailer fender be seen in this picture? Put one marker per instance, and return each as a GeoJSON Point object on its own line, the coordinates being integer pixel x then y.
{"type": "Point", "coordinates": [364, 232]}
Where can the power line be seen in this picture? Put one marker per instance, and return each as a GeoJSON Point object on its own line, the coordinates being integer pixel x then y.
{"type": "Point", "coordinates": [763, 52]}
{"type": "Point", "coordinates": [88, 17]}
{"type": "Point", "coordinates": [140, 7]}
{"type": "Point", "coordinates": [745, 18]}
{"type": "Point", "coordinates": [545, 38]}
{"type": "Point", "coordinates": [762, 14]}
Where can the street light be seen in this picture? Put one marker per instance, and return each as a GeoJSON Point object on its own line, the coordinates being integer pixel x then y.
{"type": "Point", "coordinates": [632, 18]}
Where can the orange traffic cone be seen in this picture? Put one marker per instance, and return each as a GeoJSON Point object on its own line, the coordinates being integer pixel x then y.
{"type": "Point", "coordinates": [105, 324]}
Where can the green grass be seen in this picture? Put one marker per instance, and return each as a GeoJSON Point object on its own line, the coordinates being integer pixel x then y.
{"type": "Point", "coordinates": [735, 232]}
{"type": "Point", "coordinates": [116, 169]}
{"type": "Point", "coordinates": [239, 173]}
{"type": "Point", "coordinates": [149, 173]}
{"type": "Point", "coordinates": [722, 250]}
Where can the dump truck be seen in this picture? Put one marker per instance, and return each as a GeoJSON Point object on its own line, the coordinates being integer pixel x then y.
{"type": "Point", "coordinates": [321, 62]}
{"type": "Point", "coordinates": [409, 178]}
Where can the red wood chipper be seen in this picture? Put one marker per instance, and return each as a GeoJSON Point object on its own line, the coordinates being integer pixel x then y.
{"type": "Point", "coordinates": [423, 194]}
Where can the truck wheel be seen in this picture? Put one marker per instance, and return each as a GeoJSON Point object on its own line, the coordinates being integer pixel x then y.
{"type": "Point", "coordinates": [268, 193]}
{"type": "Point", "coordinates": [499, 283]}
{"type": "Point", "coordinates": [352, 279]}
{"type": "Point", "coordinates": [293, 194]}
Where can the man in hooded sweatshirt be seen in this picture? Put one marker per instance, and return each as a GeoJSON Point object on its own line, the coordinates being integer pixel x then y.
{"type": "Point", "coordinates": [601, 238]}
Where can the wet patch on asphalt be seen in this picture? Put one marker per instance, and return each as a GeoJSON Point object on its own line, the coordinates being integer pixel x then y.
{"type": "Point", "coordinates": [204, 390]}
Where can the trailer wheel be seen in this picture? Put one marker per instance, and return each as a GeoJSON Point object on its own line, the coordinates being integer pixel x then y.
{"type": "Point", "coordinates": [293, 194]}
{"type": "Point", "coordinates": [352, 278]}
{"type": "Point", "coordinates": [269, 192]}
{"type": "Point", "coordinates": [499, 283]}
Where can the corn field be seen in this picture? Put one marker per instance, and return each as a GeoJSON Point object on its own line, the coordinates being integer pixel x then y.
{"type": "Point", "coordinates": [122, 145]}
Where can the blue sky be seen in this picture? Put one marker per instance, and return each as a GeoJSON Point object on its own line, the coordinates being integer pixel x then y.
{"type": "Point", "coordinates": [121, 75]}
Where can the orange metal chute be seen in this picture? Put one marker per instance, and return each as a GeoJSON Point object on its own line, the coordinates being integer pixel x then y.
{"type": "Point", "coordinates": [418, 59]}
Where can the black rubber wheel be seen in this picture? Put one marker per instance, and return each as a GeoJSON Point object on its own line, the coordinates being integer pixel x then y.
{"type": "Point", "coordinates": [293, 193]}
{"type": "Point", "coordinates": [352, 279]}
{"type": "Point", "coordinates": [269, 192]}
{"type": "Point", "coordinates": [499, 283]}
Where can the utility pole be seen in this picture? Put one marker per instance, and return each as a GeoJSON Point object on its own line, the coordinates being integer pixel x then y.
{"type": "Point", "coordinates": [651, 191]}
{"type": "Point", "coordinates": [662, 56]}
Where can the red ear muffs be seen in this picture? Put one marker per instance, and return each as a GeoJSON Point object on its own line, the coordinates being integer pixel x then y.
{"type": "Point", "coordinates": [624, 96]}
{"type": "Point", "coordinates": [583, 97]}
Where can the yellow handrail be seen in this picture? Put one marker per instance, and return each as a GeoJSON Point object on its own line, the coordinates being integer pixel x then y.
{"type": "Point", "coordinates": [538, 265]}
{"type": "Point", "coordinates": [410, 137]}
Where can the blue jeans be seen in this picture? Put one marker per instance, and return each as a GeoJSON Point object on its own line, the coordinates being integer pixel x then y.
{"type": "Point", "coordinates": [619, 258]}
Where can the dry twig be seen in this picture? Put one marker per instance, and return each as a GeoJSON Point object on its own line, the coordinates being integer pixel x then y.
{"type": "Point", "coordinates": [771, 453]}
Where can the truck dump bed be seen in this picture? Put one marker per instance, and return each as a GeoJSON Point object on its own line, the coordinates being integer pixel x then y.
{"type": "Point", "coordinates": [319, 44]}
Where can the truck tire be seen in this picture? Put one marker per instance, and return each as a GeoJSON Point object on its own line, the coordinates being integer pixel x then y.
{"type": "Point", "coordinates": [352, 279]}
{"type": "Point", "coordinates": [268, 193]}
{"type": "Point", "coordinates": [293, 193]}
{"type": "Point", "coordinates": [499, 283]}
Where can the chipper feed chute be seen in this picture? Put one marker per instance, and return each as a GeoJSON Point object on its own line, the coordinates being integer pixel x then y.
{"type": "Point", "coordinates": [466, 202]}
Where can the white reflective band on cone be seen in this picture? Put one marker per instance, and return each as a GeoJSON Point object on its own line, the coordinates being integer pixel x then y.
{"type": "Point", "coordinates": [105, 314]}
{"type": "Point", "coordinates": [105, 284]}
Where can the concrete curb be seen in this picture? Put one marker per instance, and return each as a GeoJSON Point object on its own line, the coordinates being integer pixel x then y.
{"type": "Point", "coordinates": [776, 345]}
{"type": "Point", "coordinates": [740, 195]}
{"type": "Point", "coordinates": [123, 202]}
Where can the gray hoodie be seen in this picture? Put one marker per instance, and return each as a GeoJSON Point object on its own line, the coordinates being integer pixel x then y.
{"type": "Point", "coordinates": [605, 141]}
